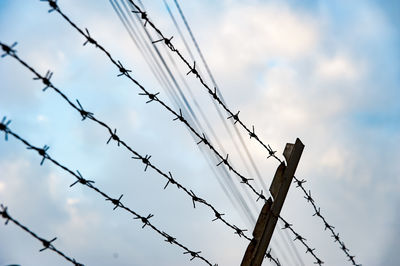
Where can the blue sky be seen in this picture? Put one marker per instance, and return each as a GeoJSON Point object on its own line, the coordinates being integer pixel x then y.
{"type": "Point", "coordinates": [325, 72]}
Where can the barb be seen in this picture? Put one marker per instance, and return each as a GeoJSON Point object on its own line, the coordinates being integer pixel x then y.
{"type": "Point", "coordinates": [116, 202]}
{"type": "Point", "coordinates": [45, 79]}
{"type": "Point", "coordinates": [144, 159]}
{"type": "Point", "coordinates": [46, 243]}
{"type": "Point", "coordinates": [84, 114]}
{"type": "Point", "coordinates": [165, 40]}
{"type": "Point", "coordinates": [4, 127]}
{"type": "Point", "coordinates": [52, 4]}
{"type": "Point", "coordinates": [274, 260]}
{"type": "Point", "coordinates": [41, 151]}
{"type": "Point", "coordinates": [8, 50]}
{"type": "Point", "coordinates": [335, 236]}
{"type": "Point", "coordinates": [89, 39]}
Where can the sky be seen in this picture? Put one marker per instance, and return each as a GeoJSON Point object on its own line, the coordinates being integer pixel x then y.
{"type": "Point", "coordinates": [326, 72]}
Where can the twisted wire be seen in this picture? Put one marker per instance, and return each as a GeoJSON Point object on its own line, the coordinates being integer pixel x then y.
{"type": "Point", "coordinates": [116, 202]}
{"type": "Point", "coordinates": [47, 244]}
{"type": "Point", "coordinates": [310, 250]}
{"type": "Point", "coordinates": [236, 119]}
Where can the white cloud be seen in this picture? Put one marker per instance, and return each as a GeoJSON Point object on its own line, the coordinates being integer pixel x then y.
{"type": "Point", "coordinates": [338, 68]}
{"type": "Point", "coordinates": [249, 35]}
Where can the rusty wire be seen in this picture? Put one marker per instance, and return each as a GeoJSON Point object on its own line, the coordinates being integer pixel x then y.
{"type": "Point", "coordinates": [144, 159]}
{"type": "Point", "coordinates": [47, 244]}
{"type": "Point", "coordinates": [235, 117]}
{"type": "Point", "coordinates": [116, 202]}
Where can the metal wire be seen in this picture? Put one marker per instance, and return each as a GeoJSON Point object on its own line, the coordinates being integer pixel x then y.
{"type": "Point", "coordinates": [47, 244]}
{"type": "Point", "coordinates": [299, 183]}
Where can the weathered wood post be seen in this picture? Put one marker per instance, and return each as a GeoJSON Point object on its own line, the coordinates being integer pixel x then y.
{"type": "Point", "coordinates": [271, 210]}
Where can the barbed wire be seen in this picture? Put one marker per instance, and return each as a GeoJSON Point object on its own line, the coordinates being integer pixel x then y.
{"type": "Point", "coordinates": [125, 72]}
{"type": "Point", "coordinates": [116, 202]}
{"type": "Point", "coordinates": [232, 115]}
{"type": "Point", "coordinates": [310, 250]}
{"type": "Point", "coordinates": [47, 244]}
{"type": "Point", "coordinates": [144, 159]}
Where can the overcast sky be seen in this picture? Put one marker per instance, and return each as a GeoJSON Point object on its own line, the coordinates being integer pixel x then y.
{"type": "Point", "coordinates": [325, 71]}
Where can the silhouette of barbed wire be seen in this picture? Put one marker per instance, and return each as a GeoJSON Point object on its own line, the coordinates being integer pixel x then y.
{"type": "Point", "coordinates": [124, 72]}
{"type": "Point", "coordinates": [231, 114]}
{"type": "Point", "coordinates": [116, 202]}
{"type": "Point", "coordinates": [47, 244]}
{"type": "Point", "coordinates": [144, 159]}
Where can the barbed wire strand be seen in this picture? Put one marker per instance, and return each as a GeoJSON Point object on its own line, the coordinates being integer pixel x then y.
{"type": "Point", "coordinates": [232, 115]}
{"type": "Point", "coordinates": [116, 202]}
{"type": "Point", "coordinates": [145, 159]}
{"type": "Point", "coordinates": [178, 116]}
{"type": "Point", "coordinates": [47, 244]}
{"type": "Point", "coordinates": [299, 183]}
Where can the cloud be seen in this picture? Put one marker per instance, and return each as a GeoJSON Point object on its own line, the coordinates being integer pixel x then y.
{"type": "Point", "coordinates": [252, 35]}
{"type": "Point", "coordinates": [338, 68]}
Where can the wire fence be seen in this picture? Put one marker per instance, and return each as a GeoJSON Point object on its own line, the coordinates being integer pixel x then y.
{"type": "Point", "coordinates": [235, 117]}
{"type": "Point", "coordinates": [154, 98]}
{"type": "Point", "coordinates": [85, 114]}
{"type": "Point", "coordinates": [115, 201]}
{"type": "Point", "coordinates": [10, 50]}
{"type": "Point", "coordinates": [47, 244]}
